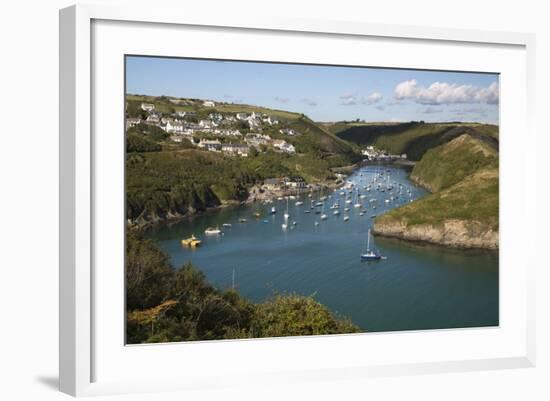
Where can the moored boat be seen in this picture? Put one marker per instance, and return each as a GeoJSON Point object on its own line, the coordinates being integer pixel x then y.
{"type": "Point", "coordinates": [191, 242]}
{"type": "Point", "coordinates": [370, 254]}
{"type": "Point", "coordinates": [213, 231]}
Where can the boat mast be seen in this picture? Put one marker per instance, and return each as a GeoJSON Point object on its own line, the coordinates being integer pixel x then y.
{"type": "Point", "coordinates": [233, 280]}
{"type": "Point", "coordinates": [368, 241]}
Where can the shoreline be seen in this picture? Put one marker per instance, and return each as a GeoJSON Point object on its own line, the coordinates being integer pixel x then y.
{"type": "Point", "coordinates": [171, 219]}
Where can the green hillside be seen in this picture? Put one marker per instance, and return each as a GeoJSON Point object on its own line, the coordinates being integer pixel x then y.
{"type": "Point", "coordinates": [446, 165]}
{"type": "Point", "coordinates": [165, 179]}
{"type": "Point", "coordinates": [463, 210]}
{"type": "Point", "coordinates": [412, 138]}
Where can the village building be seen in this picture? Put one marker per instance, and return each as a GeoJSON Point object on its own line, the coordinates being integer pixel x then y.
{"type": "Point", "coordinates": [253, 123]}
{"type": "Point", "coordinates": [241, 116]}
{"type": "Point", "coordinates": [284, 146]}
{"type": "Point", "coordinates": [210, 144]}
{"type": "Point", "coordinates": [236, 149]}
{"type": "Point", "coordinates": [174, 126]}
{"type": "Point", "coordinates": [288, 131]}
{"type": "Point", "coordinates": [297, 183]}
{"type": "Point", "coordinates": [209, 103]}
{"type": "Point", "coordinates": [270, 120]}
{"type": "Point", "coordinates": [132, 122]}
{"type": "Point", "coordinates": [217, 117]}
{"type": "Point", "coordinates": [229, 132]}
{"type": "Point", "coordinates": [207, 124]}
{"type": "Point", "coordinates": [147, 107]}
{"type": "Point", "coordinates": [273, 184]}
{"type": "Point", "coordinates": [152, 119]}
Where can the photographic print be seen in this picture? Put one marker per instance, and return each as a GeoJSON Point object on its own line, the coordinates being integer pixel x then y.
{"type": "Point", "coordinates": [275, 199]}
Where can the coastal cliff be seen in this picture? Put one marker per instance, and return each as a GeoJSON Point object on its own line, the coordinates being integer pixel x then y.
{"type": "Point", "coordinates": [462, 211]}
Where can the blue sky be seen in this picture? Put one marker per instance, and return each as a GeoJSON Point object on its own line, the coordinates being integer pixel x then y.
{"type": "Point", "coordinates": [324, 93]}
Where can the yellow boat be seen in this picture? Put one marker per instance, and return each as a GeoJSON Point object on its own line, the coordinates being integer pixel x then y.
{"type": "Point", "coordinates": [192, 242]}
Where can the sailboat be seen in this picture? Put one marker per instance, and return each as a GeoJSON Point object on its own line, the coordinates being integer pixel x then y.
{"type": "Point", "coordinates": [370, 254]}
{"type": "Point", "coordinates": [286, 215]}
{"type": "Point", "coordinates": [323, 215]}
{"type": "Point", "coordinates": [357, 203]}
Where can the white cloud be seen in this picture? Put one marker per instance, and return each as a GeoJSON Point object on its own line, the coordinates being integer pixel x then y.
{"type": "Point", "coordinates": [281, 99]}
{"type": "Point", "coordinates": [309, 102]}
{"type": "Point", "coordinates": [374, 97]}
{"type": "Point", "coordinates": [351, 99]}
{"type": "Point", "coordinates": [445, 93]}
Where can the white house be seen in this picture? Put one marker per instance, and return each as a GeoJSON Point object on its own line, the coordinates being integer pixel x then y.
{"type": "Point", "coordinates": [147, 107]}
{"type": "Point", "coordinates": [209, 144]}
{"type": "Point", "coordinates": [132, 122]}
{"type": "Point", "coordinates": [288, 131]}
{"type": "Point", "coordinates": [174, 126]}
{"type": "Point", "coordinates": [207, 124]}
{"type": "Point", "coordinates": [253, 123]}
{"type": "Point", "coordinates": [209, 103]}
{"type": "Point", "coordinates": [229, 132]}
{"type": "Point", "coordinates": [236, 149]}
{"type": "Point", "coordinates": [152, 120]}
{"type": "Point", "coordinates": [284, 146]}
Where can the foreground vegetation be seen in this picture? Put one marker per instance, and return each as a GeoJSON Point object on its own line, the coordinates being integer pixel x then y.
{"type": "Point", "coordinates": [164, 304]}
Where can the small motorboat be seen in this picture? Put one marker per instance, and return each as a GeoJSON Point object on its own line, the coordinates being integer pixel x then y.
{"type": "Point", "coordinates": [227, 225]}
{"type": "Point", "coordinates": [213, 231]}
{"type": "Point", "coordinates": [191, 242]}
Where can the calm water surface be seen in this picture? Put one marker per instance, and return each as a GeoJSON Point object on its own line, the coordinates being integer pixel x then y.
{"type": "Point", "coordinates": [416, 287]}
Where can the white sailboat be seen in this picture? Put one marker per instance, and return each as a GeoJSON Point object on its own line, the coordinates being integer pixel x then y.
{"type": "Point", "coordinates": [370, 254]}
{"type": "Point", "coordinates": [323, 215]}
{"type": "Point", "coordinates": [286, 215]}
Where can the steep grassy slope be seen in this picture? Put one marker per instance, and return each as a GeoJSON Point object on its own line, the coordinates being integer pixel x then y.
{"type": "Point", "coordinates": [446, 165]}
{"type": "Point", "coordinates": [464, 209]}
{"type": "Point", "coordinates": [413, 138]}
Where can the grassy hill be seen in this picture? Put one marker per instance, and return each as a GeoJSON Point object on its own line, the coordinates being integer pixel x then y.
{"type": "Point", "coordinates": [463, 211]}
{"type": "Point", "coordinates": [167, 179]}
{"type": "Point", "coordinates": [166, 104]}
{"type": "Point", "coordinates": [446, 165]}
{"type": "Point", "coordinates": [412, 138]}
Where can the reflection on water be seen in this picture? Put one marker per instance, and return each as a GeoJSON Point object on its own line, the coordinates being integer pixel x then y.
{"type": "Point", "coordinates": [417, 287]}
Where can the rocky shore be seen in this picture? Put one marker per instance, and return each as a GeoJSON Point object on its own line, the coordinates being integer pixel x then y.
{"type": "Point", "coordinates": [452, 233]}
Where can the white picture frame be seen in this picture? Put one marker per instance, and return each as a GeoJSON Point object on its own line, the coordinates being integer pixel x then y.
{"type": "Point", "coordinates": [82, 344]}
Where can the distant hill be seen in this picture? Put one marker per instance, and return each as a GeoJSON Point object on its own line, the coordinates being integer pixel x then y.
{"type": "Point", "coordinates": [463, 210]}
{"type": "Point", "coordinates": [412, 138]}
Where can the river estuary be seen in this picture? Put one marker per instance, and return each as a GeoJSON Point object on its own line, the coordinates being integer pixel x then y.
{"type": "Point", "coordinates": [416, 287]}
